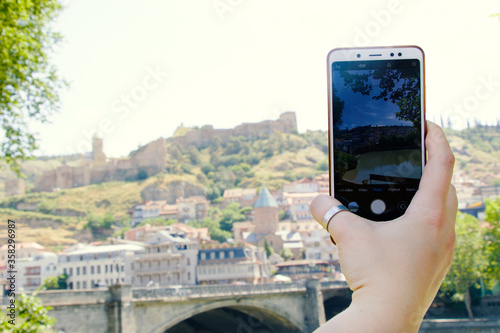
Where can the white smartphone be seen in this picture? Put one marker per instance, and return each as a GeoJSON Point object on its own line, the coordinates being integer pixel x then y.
{"type": "Point", "coordinates": [376, 127]}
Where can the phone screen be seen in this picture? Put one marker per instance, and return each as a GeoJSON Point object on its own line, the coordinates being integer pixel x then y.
{"type": "Point", "coordinates": [377, 135]}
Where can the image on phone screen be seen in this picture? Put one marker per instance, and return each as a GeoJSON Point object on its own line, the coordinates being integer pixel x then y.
{"type": "Point", "coordinates": [377, 131]}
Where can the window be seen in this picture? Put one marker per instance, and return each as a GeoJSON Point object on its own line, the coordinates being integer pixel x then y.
{"type": "Point", "coordinates": [212, 255]}
{"type": "Point", "coordinates": [92, 270]}
{"type": "Point", "coordinates": [78, 271]}
{"type": "Point", "coordinates": [118, 267]}
{"type": "Point", "coordinates": [189, 276]}
{"type": "Point", "coordinates": [64, 271]}
{"type": "Point", "coordinates": [78, 285]}
{"type": "Point", "coordinates": [231, 253]}
{"type": "Point", "coordinates": [105, 268]}
{"type": "Point", "coordinates": [99, 269]}
{"type": "Point", "coordinates": [92, 283]}
{"type": "Point", "coordinates": [123, 268]}
{"type": "Point", "coordinates": [188, 262]}
{"type": "Point", "coordinates": [71, 271]}
{"type": "Point", "coordinates": [111, 268]}
{"type": "Point", "coordinates": [221, 255]}
{"type": "Point", "coordinates": [84, 284]}
{"type": "Point", "coordinates": [84, 270]}
{"type": "Point", "coordinates": [203, 256]}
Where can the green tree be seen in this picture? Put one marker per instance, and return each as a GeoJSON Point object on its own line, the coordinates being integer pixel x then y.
{"type": "Point", "coordinates": [286, 254]}
{"type": "Point", "coordinates": [469, 260]}
{"type": "Point", "coordinates": [29, 84]}
{"type": "Point", "coordinates": [492, 236]}
{"type": "Point", "coordinates": [268, 248]}
{"type": "Point", "coordinates": [31, 316]}
{"type": "Point", "coordinates": [55, 282]}
{"type": "Point", "coordinates": [232, 213]}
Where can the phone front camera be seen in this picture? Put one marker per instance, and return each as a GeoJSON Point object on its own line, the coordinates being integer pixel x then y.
{"type": "Point", "coordinates": [359, 55]}
{"type": "Point", "coordinates": [392, 54]}
{"type": "Point", "coordinates": [400, 54]}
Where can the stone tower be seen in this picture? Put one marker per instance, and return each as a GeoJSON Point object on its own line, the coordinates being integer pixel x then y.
{"type": "Point", "coordinates": [266, 213]}
{"type": "Point", "coordinates": [97, 149]}
{"type": "Point", "coordinates": [289, 119]}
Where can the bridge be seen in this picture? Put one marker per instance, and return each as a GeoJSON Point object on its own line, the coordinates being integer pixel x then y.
{"type": "Point", "coordinates": [290, 307]}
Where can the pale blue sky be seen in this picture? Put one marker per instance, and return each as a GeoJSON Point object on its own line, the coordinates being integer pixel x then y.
{"type": "Point", "coordinates": [138, 69]}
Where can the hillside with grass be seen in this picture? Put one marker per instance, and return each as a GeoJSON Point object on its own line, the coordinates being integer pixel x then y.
{"type": "Point", "coordinates": [94, 212]}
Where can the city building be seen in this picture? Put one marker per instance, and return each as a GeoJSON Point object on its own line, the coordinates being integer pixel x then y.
{"type": "Point", "coordinates": [304, 185]}
{"type": "Point", "coordinates": [166, 260]}
{"type": "Point", "coordinates": [147, 210]}
{"type": "Point", "coordinates": [192, 208]}
{"type": "Point", "coordinates": [245, 197]}
{"type": "Point", "coordinates": [318, 246]}
{"type": "Point", "coordinates": [298, 205]}
{"type": "Point", "coordinates": [32, 271]}
{"type": "Point", "coordinates": [23, 250]}
{"type": "Point", "coordinates": [93, 266]}
{"type": "Point", "coordinates": [232, 263]}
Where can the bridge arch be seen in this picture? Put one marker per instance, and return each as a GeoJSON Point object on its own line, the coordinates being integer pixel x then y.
{"type": "Point", "coordinates": [260, 314]}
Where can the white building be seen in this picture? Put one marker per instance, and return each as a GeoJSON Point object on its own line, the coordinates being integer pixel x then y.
{"type": "Point", "coordinates": [223, 265]}
{"type": "Point", "coordinates": [319, 246]}
{"type": "Point", "coordinates": [167, 260]}
{"type": "Point", "coordinates": [32, 271]}
{"type": "Point", "coordinates": [97, 265]}
{"type": "Point", "coordinates": [304, 185]}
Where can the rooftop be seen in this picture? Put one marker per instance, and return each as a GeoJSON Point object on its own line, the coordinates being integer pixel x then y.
{"type": "Point", "coordinates": [265, 199]}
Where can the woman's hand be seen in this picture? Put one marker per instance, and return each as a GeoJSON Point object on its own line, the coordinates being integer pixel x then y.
{"type": "Point", "coordinates": [395, 268]}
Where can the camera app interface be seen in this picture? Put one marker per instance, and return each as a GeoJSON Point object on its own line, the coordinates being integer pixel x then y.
{"type": "Point", "coordinates": [377, 135]}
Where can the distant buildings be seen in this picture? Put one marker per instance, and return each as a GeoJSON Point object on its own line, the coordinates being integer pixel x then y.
{"type": "Point", "coordinates": [94, 266]}
{"type": "Point", "coordinates": [185, 209]}
{"type": "Point", "coordinates": [235, 263]}
{"type": "Point", "coordinates": [245, 197]}
{"type": "Point", "coordinates": [166, 260]}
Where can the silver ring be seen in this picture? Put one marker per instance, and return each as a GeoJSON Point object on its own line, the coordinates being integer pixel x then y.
{"type": "Point", "coordinates": [331, 213]}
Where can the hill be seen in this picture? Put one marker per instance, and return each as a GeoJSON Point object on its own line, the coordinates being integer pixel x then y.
{"type": "Point", "coordinates": [60, 218]}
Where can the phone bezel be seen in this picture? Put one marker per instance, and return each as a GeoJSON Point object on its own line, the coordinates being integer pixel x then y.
{"type": "Point", "coordinates": [372, 53]}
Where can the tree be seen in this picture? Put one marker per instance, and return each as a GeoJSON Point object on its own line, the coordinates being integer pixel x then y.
{"type": "Point", "coordinates": [29, 84]}
{"type": "Point", "coordinates": [286, 254]}
{"type": "Point", "coordinates": [469, 260]}
{"type": "Point", "coordinates": [269, 250]}
{"type": "Point", "coordinates": [32, 316]}
{"type": "Point", "coordinates": [55, 282]}
{"type": "Point", "coordinates": [492, 235]}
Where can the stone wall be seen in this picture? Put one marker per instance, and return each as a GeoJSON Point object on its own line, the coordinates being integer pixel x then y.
{"type": "Point", "coordinates": [204, 136]}
{"type": "Point", "coordinates": [151, 158]}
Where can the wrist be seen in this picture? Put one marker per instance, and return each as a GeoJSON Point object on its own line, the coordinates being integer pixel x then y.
{"type": "Point", "coordinates": [376, 313]}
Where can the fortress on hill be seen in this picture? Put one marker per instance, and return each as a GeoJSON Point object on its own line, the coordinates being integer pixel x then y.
{"type": "Point", "coordinates": [203, 137]}
{"type": "Point", "coordinates": [150, 159]}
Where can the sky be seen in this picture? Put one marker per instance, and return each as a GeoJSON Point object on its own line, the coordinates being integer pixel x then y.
{"type": "Point", "coordinates": [139, 69]}
{"type": "Point", "coordinates": [363, 109]}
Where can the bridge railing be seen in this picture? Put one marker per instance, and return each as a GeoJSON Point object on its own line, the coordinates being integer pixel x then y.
{"type": "Point", "coordinates": [333, 284]}
{"type": "Point", "coordinates": [215, 290]}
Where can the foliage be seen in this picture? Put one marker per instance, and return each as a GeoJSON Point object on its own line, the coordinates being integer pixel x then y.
{"type": "Point", "coordinates": [286, 254]}
{"type": "Point", "coordinates": [213, 229]}
{"type": "Point", "coordinates": [268, 248]}
{"type": "Point", "coordinates": [55, 282]}
{"type": "Point", "coordinates": [28, 83]}
{"type": "Point", "coordinates": [469, 260]}
{"type": "Point", "coordinates": [142, 174]}
{"type": "Point", "coordinates": [32, 316]}
{"type": "Point", "coordinates": [232, 213]}
{"type": "Point", "coordinates": [95, 222]}
{"type": "Point", "coordinates": [492, 235]}
{"type": "Point", "coordinates": [157, 221]}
